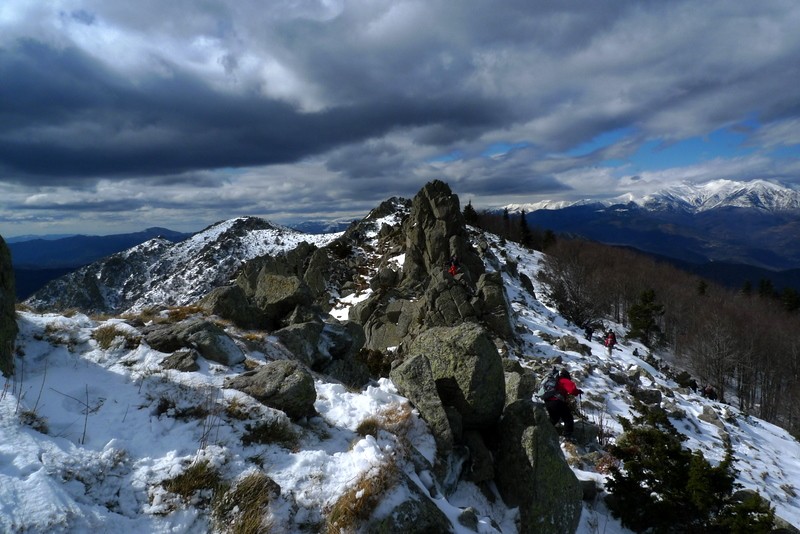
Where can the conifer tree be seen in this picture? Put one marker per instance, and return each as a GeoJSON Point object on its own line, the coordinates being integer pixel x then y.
{"type": "Point", "coordinates": [643, 317]}
{"type": "Point", "coordinates": [663, 488]}
{"type": "Point", "coordinates": [525, 236]}
{"type": "Point", "coordinates": [470, 215]}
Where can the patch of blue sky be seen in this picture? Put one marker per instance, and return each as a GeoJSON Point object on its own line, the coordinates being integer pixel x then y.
{"type": "Point", "coordinates": [603, 140]}
{"type": "Point", "coordinates": [786, 152]}
{"type": "Point", "coordinates": [723, 143]}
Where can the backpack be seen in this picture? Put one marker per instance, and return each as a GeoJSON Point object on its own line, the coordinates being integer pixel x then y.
{"type": "Point", "coordinates": [547, 387]}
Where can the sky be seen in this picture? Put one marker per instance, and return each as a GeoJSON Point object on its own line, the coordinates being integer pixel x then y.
{"type": "Point", "coordinates": [117, 116]}
{"type": "Point", "coordinates": [104, 471]}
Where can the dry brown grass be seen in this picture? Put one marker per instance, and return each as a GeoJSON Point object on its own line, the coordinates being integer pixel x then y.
{"type": "Point", "coordinates": [243, 508]}
{"type": "Point", "coordinates": [197, 477]}
{"type": "Point", "coordinates": [275, 432]}
{"type": "Point", "coordinates": [395, 419]}
{"type": "Point", "coordinates": [356, 505]}
{"type": "Point", "coordinates": [105, 336]}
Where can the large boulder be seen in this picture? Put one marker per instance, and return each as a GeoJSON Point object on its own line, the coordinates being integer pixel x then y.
{"type": "Point", "coordinates": [532, 473]}
{"type": "Point", "coordinates": [8, 316]}
{"type": "Point", "coordinates": [283, 384]}
{"type": "Point", "coordinates": [231, 303]}
{"type": "Point", "coordinates": [303, 340]}
{"type": "Point", "coordinates": [414, 380]}
{"type": "Point", "coordinates": [277, 296]}
{"type": "Point", "coordinates": [207, 338]}
{"type": "Point", "coordinates": [467, 369]}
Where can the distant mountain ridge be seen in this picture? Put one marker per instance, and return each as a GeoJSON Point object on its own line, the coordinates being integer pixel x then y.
{"type": "Point", "coordinates": [723, 222]}
{"type": "Point", "coordinates": [165, 273]}
{"type": "Point", "coordinates": [687, 197]}
{"type": "Point", "coordinates": [74, 251]}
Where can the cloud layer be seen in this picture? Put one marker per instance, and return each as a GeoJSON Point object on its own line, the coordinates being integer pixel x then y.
{"type": "Point", "coordinates": [190, 112]}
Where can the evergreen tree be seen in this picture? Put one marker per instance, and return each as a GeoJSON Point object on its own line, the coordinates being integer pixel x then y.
{"type": "Point", "coordinates": [470, 215]}
{"type": "Point", "coordinates": [506, 223]}
{"type": "Point", "coordinates": [765, 288]}
{"type": "Point", "coordinates": [663, 488]}
{"type": "Point", "coordinates": [790, 299]}
{"type": "Point", "coordinates": [525, 236]}
{"type": "Point", "coordinates": [643, 317]}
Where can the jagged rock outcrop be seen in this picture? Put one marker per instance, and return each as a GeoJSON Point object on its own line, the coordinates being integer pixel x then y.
{"type": "Point", "coordinates": [207, 338]}
{"type": "Point", "coordinates": [283, 384]}
{"type": "Point", "coordinates": [423, 295]}
{"type": "Point", "coordinates": [531, 472]}
{"type": "Point", "coordinates": [434, 232]}
{"type": "Point", "coordinates": [8, 317]}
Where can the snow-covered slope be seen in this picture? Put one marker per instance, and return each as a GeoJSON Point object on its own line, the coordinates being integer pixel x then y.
{"type": "Point", "coordinates": [113, 427]}
{"type": "Point", "coordinates": [158, 272]}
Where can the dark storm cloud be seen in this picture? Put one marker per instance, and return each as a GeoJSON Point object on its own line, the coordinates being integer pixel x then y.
{"type": "Point", "coordinates": [290, 105]}
{"type": "Point", "coordinates": [63, 115]}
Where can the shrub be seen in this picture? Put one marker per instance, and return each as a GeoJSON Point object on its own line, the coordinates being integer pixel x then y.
{"type": "Point", "coordinates": [664, 488]}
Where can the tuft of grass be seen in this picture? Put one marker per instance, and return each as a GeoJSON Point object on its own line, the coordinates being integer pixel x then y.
{"type": "Point", "coordinates": [242, 509]}
{"type": "Point", "coordinates": [275, 432]}
{"type": "Point", "coordinates": [199, 476]}
{"type": "Point", "coordinates": [368, 427]}
{"type": "Point", "coordinates": [177, 314]}
{"type": "Point", "coordinates": [34, 420]}
{"type": "Point", "coordinates": [236, 409]}
{"type": "Point", "coordinates": [356, 505]}
{"type": "Point", "coordinates": [105, 336]}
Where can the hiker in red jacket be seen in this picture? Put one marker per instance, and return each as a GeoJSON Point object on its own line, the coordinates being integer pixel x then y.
{"type": "Point", "coordinates": [557, 406]}
{"type": "Point", "coordinates": [610, 341]}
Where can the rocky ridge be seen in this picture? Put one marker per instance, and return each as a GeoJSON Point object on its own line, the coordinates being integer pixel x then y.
{"type": "Point", "coordinates": [446, 342]}
{"type": "Point", "coordinates": [161, 273]}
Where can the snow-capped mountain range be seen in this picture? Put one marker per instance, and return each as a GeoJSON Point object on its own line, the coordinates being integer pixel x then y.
{"type": "Point", "coordinates": [721, 224]}
{"type": "Point", "coordinates": [694, 198]}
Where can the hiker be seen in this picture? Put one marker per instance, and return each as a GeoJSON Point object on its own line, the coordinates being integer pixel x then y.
{"type": "Point", "coordinates": [588, 331]}
{"type": "Point", "coordinates": [557, 407]}
{"type": "Point", "coordinates": [610, 341]}
{"type": "Point", "coordinates": [709, 392]}
{"type": "Point", "coordinates": [693, 385]}
{"type": "Point", "coordinates": [453, 265]}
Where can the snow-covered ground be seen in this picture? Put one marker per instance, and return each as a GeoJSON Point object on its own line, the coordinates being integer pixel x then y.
{"type": "Point", "coordinates": [116, 426]}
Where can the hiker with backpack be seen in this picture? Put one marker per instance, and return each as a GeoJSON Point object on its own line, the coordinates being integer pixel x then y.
{"type": "Point", "coordinates": [610, 340]}
{"type": "Point", "coordinates": [554, 391]}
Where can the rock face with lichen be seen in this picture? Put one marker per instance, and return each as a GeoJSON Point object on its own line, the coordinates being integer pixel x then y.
{"type": "Point", "coordinates": [8, 319]}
